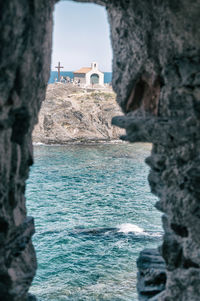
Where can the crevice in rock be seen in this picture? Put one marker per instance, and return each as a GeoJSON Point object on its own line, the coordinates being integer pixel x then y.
{"type": "Point", "coordinates": [145, 95]}
{"type": "Point", "coordinates": [3, 225]}
{"type": "Point", "coordinates": [179, 230]}
{"type": "Point", "coordinates": [21, 124]}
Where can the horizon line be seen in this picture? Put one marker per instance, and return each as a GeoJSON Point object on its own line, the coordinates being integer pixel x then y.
{"type": "Point", "coordinates": [73, 71]}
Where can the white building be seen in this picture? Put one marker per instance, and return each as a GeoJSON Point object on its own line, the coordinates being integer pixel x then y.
{"type": "Point", "coordinates": [88, 76]}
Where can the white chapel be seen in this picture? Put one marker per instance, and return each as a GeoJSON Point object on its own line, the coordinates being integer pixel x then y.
{"type": "Point", "coordinates": [88, 76]}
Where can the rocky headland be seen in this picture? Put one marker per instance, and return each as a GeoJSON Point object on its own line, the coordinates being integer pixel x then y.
{"type": "Point", "coordinates": [71, 114]}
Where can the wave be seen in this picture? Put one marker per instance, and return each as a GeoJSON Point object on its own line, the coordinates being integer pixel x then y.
{"type": "Point", "coordinates": [130, 228]}
{"type": "Point", "coordinates": [156, 234]}
{"type": "Point", "coordinates": [38, 143]}
{"type": "Point", "coordinates": [123, 229]}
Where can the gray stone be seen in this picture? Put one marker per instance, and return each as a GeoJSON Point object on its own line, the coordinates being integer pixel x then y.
{"type": "Point", "coordinates": [151, 274]}
{"type": "Point", "coordinates": [156, 67]}
{"type": "Point", "coordinates": [25, 52]}
{"type": "Point", "coordinates": [86, 120]}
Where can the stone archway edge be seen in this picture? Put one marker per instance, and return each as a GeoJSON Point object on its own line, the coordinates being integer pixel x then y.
{"type": "Point", "coordinates": [156, 75]}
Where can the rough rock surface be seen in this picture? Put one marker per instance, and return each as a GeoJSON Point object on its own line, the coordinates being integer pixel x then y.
{"type": "Point", "coordinates": [151, 274]}
{"type": "Point", "coordinates": [157, 80]}
{"type": "Point", "coordinates": [73, 115]}
{"type": "Point", "coordinates": [156, 66]}
{"type": "Point", "coordinates": [25, 51]}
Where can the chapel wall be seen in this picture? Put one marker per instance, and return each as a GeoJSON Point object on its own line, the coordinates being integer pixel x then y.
{"type": "Point", "coordinates": [80, 77]}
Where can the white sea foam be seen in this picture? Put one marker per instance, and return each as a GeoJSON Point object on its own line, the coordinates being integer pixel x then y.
{"type": "Point", "coordinates": [46, 144]}
{"type": "Point", "coordinates": [38, 143]}
{"type": "Point", "coordinates": [156, 234]}
{"type": "Point", "coordinates": [127, 228]}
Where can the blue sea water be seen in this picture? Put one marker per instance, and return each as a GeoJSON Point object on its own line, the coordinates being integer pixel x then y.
{"type": "Point", "coordinates": [54, 74]}
{"type": "Point", "coordinates": [93, 213]}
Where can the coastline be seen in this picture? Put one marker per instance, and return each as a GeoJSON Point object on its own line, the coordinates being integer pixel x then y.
{"type": "Point", "coordinates": [85, 142]}
{"type": "Point", "coordinates": [72, 115]}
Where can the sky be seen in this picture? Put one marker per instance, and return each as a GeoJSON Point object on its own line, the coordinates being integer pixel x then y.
{"type": "Point", "coordinates": [81, 35]}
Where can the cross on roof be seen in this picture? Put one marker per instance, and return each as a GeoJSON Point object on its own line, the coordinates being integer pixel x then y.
{"type": "Point", "coordinates": [59, 67]}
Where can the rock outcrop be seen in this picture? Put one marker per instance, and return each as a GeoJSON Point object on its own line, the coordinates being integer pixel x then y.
{"type": "Point", "coordinates": [156, 64]}
{"type": "Point", "coordinates": [73, 115]}
{"type": "Point", "coordinates": [156, 75]}
{"type": "Point", "coordinates": [25, 52]}
{"type": "Point", "coordinates": [151, 274]}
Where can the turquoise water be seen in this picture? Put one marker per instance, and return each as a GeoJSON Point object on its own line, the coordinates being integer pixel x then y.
{"type": "Point", "coordinates": [93, 213]}
{"type": "Point", "coordinates": [54, 74]}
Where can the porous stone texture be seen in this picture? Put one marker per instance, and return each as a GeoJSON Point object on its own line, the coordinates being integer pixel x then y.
{"type": "Point", "coordinates": [25, 49]}
{"type": "Point", "coordinates": [156, 65]}
{"type": "Point", "coordinates": [73, 115]}
{"type": "Point", "coordinates": [151, 275]}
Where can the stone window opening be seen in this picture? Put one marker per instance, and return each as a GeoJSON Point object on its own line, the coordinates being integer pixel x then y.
{"type": "Point", "coordinates": [145, 35]}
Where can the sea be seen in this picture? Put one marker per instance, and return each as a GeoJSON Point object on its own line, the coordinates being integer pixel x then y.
{"type": "Point", "coordinates": [93, 214]}
{"type": "Point", "coordinates": [54, 75]}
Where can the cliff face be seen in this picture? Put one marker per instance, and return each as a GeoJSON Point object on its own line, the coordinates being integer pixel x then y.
{"type": "Point", "coordinates": [156, 75]}
{"type": "Point", "coordinates": [157, 79]}
{"type": "Point", "coordinates": [25, 38]}
{"type": "Point", "coordinates": [73, 115]}
{"type": "Point", "coordinates": [156, 67]}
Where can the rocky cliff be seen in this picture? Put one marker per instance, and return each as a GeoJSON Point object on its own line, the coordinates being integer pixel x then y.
{"type": "Point", "coordinates": [156, 75]}
{"type": "Point", "coordinates": [25, 53]}
{"type": "Point", "coordinates": [73, 115]}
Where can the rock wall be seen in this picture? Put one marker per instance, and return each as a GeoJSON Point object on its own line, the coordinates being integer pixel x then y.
{"type": "Point", "coordinates": [156, 66]}
{"type": "Point", "coordinates": [157, 81]}
{"type": "Point", "coordinates": [25, 39]}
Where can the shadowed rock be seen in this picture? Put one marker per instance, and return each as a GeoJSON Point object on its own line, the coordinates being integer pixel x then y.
{"type": "Point", "coordinates": [156, 76]}
{"type": "Point", "coordinates": [151, 274]}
